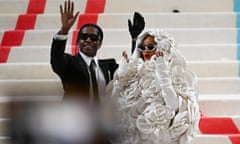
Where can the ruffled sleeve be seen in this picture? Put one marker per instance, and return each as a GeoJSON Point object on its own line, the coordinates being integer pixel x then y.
{"type": "Point", "coordinates": [168, 92]}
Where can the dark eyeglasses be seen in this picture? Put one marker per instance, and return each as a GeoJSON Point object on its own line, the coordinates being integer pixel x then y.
{"type": "Point", "coordinates": [149, 47]}
{"type": "Point", "coordinates": [93, 37]}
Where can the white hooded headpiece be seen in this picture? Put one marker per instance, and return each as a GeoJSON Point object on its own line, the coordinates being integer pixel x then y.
{"type": "Point", "coordinates": [165, 42]}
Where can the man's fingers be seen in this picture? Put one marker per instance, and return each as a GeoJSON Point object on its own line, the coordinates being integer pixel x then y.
{"type": "Point", "coordinates": [75, 16]}
{"type": "Point", "coordinates": [65, 6]}
{"type": "Point", "coordinates": [69, 6]}
{"type": "Point", "coordinates": [72, 7]}
{"type": "Point", "coordinates": [61, 9]}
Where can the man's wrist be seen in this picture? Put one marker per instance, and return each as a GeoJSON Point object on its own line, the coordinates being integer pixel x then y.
{"type": "Point", "coordinates": [60, 36]}
{"type": "Point", "coordinates": [63, 31]}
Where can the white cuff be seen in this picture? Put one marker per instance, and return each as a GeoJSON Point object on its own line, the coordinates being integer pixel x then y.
{"type": "Point", "coordinates": [60, 37]}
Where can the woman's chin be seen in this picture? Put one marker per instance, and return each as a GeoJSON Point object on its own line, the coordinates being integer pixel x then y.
{"type": "Point", "coordinates": [147, 57]}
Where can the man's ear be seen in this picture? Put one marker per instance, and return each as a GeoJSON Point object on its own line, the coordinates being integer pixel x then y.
{"type": "Point", "coordinates": [78, 43]}
{"type": "Point", "coordinates": [100, 44]}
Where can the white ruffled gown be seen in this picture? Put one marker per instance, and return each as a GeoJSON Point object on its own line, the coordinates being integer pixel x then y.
{"type": "Point", "coordinates": [157, 101]}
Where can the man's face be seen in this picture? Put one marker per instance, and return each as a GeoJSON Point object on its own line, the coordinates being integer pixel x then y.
{"type": "Point", "coordinates": [89, 42]}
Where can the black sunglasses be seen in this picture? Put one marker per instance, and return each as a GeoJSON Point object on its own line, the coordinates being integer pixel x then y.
{"type": "Point", "coordinates": [149, 47]}
{"type": "Point", "coordinates": [93, 37]}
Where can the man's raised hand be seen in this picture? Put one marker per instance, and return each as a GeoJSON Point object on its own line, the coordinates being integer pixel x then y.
{"type": "Point", "coordinates": [67, 16]}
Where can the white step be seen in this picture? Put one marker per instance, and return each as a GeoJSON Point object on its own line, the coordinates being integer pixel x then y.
{"type": "Point", "coordinates": [54, 87]}
{"type": "Point", "coordinates": [168, 6]}
{"type": "Point", "coordinates": [214, 51]}
{"type": "Point", "coordinates": [121, 36]}
{"type": "Point", "coordinates": [6, 6]}
{"type": "Point", "coordinates": [31, 54]}
{"type": "Point", "coordinates": [214, 68]}
{"type": "Point", "coordinates": [199, 139]}
{"type": "Point", "coordinates": [226, 85]}
{"type": "Point", "coordinates": [115, 6]}
{"type": "Point", "coordinates": [196, 52]}
{"type": "Point", "coordinates": [211, 139]}
{"type": "Point", "coordinates": [210, 105]}
{"type": "Point", "coordinates": [51, 6]}
{"type": "Point", "coordinates": [44, 87]}
{"type": "Point", "coordinates": [220, 105]}
{"type": "Point", "coordinates": [119, 20]}
{"type": "Point", "coordinates": [202, 69]}
{"type": "Point", "coordinates": [27, 71]}
{"type": "Point", "coordinates": [168, 20]}
{"type": "Point", "coordinates": [8, 21]}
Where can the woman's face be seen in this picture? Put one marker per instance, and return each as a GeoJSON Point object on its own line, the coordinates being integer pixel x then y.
{"type": "Point", "coordinates": [149, 51]}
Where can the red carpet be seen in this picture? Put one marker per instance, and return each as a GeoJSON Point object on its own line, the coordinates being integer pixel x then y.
{"type": "Point", "coordinates": [217, 125]}
{"type": "Point", "coordinates": [221, 126]}
{"type": "Point", "coordinates": [36, 6]}
{"type": "Point", "coordinates": [24, 22]}
{"type": "Point", "coordinates": [235, 138]}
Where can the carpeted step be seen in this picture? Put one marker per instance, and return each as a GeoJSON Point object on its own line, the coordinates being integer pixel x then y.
{"type": "Point", "coordinates": [27, 87]}
{"type": "Point", "coordinates": [217, 139]}
{"type": "Point", "coordinates": [219, 105]}
{"type": "Point", "coordinates": [219, 125]}
{"type": "Point", "coordinates": [121, 36]}
{"type": "Point", "coordinates": [31, 70]}
{"type": "Point", "coordinates": [119, 20]}
{"type": "Point", "coordinates": [115, 6]}
{"type": "Point", "coordinates": [195, 52]}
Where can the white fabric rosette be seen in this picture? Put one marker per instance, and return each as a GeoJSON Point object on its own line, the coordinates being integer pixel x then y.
{"type": "Point", "coordinates": [129, 97]}
{"type": "Point", "coordinates": [151, 90]}
{"type": "Point", "coordinates": [129, 135]}
{"type": "Point", "coordinates": [165, 42]}
{"type": "Point", "coordinates": [155, 116]}
{"type": "Point", "coordinates": [154, 122]}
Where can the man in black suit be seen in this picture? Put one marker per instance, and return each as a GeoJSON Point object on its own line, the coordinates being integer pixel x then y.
{"type": "Point", "coordinates": [84, 77]}
{"type": "Point", "coordinates": [75, 71]}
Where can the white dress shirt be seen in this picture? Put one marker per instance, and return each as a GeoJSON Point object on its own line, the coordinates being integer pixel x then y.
{"type": "Point", "coordinates": [99, 76]}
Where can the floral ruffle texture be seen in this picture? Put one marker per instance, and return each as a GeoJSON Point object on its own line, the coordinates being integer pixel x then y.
{"type": "Point", "coordinates": [157, 99]}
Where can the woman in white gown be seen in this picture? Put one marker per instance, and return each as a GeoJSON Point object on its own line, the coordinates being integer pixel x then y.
{"type": "Point", "coordinates": [155, 93]}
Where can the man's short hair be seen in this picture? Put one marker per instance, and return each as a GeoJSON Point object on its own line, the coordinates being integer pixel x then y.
{"type": "Point", "coordinates": [100, 31]}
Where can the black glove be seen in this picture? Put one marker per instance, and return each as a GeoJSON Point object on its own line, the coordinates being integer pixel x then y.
{"type": "Point", "coordinates": [137, 26]}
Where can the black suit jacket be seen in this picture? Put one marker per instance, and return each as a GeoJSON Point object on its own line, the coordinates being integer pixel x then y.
{"type": "Point", "coordinates": [73, 70]}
